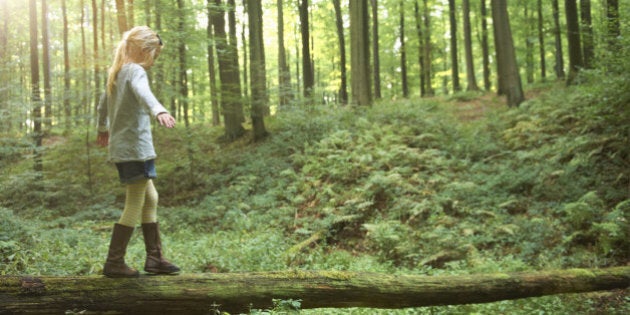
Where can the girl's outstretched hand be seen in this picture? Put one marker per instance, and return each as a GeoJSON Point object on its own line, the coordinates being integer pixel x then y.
{"type": "Point", "coordinates": [166, 120]}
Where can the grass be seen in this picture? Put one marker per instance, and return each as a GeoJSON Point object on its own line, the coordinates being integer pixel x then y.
{"type": "Point", "coordinates": [421, 186]}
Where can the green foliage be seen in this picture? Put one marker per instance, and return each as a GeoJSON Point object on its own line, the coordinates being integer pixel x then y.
{"type": "Point", "coordinates": [404, 187]}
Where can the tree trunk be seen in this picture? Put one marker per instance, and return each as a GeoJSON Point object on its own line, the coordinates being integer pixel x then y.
{"type": "Point", "coordinates": [46, 69]}
{"type": "Point", "coordinates": [541, 41]}
{"type": "Point", "coordinates": [239, 292]}
{"type": "Point", "coordinates": [470, 68]}
{"type": "Point", "coordinates": [360, 53]}
{"type": "Point", "coordinates": [510, 79]}
{"type": "Point", "coordinates": [427, 50]}
{"type": "Point", "coordinates": [588, 47]}
{"type": "Point", "coordinates": [403, 52]}
{"type": "Point", "coordinates": [307, 67]}
{"type": "Point", "coordinates": [454, 63]}
{"type": "Point", "coordinates": [97, 75]}
{"type": "Point", "coordinates": [573, 36]}
{"type": "Point", "coordinates": [257, 68]}
{"type": "Point", "coordinates": [228, 74]}
{"type": "Point", "coordinates": [529, 44]}
{"type": "Point", "coordinates": [416, 12]}
{"type": "Point", "coordinates": [375, 51]}
{"type": "Point", "coordinates": [121, 13]}
{"type": "Point", "coordinates": [484, 46]}
{"type": "Point", "coordinates": [66, 72]}
{"type": "Point", "coordinates": [233, 46]}
{"type": "Point", "coordinates": [36, 100]}
{"type": "Point", "coordinates": [343, 89]}
{"type": "Point", "coordinates": [214, 99]}
{"type": "Point", "coordinates": [284, 74]}
{"type": "Point", "coordinates": [559, 67]}
{"type": "Point", "coordinates": [613, 23]}
{"type": "Point", "coordinates": [183, 67]}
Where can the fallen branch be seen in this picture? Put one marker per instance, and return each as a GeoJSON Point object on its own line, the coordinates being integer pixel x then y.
{"type": "Point", "coordinates": [238, 292]}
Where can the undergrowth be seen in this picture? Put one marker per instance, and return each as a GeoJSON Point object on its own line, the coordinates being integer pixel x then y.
{"type": "Point", "coordinates": [407, 187]}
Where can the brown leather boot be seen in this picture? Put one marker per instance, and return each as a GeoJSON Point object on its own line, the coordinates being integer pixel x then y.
{"type": "Point", "coordinates": [115, 266]}
{"type": "Point", "coordinates": [155, 263]}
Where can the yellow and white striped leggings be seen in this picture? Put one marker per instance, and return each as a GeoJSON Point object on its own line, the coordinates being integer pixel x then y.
{"type": "Point", "coordinates": [140, 203]}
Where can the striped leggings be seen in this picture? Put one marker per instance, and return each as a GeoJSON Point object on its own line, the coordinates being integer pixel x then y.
{"type": "Point", "coordinates": [140, 203]}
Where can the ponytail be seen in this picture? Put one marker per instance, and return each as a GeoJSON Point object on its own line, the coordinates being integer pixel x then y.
{"type": "Point", "coordinates": [139, 45]}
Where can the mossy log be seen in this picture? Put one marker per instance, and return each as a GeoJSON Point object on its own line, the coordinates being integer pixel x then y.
{"type": "Point", "coordinates": [239, 292]}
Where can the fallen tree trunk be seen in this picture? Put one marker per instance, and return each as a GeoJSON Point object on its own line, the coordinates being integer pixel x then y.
{"type": "Point", "coordinates": [239, 292]}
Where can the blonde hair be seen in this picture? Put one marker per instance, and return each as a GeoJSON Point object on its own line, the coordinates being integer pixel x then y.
{"type": "Point", "coordinates": [140, 45]}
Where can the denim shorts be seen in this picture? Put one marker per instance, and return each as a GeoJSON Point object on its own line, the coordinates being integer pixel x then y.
{"type": "Point", "coordinates": [132, 171]}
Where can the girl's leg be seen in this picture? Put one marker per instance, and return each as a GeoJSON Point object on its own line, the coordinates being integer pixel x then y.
{"type": "Point", "coordinates": [149, 210]}
{"type": "Point", "coordinates": [155, 263]}
{"type": "Point", "coordinates": [134, 203]}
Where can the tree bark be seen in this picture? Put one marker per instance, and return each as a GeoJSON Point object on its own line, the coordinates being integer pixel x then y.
{"type": "Point", "coordinates": [470, 68]}
{"type": "Point", "coordinates": [613, 23]}
{"type": "Point", "coordinates": [375, 51]}
{"type": "Point", "coordinates": [258, 70]}
{"type": "Point", "coordinates": [307, 66]}
{"type": "Point", "coordinates": [360, 53]}
{"type": "Point", "coordinates": [588, 47]}
{"type": "Point", "coordinates": [573, 37]}
{"type": "Point", "coordinates": [559, 67]}
{"type": "Point", "coordinates": [228, 74]}
{"type": "Point", "coordinates": [509, 77]}
{"type": "Point", "coordinates": [239, 292]}
{"type": "Point", "coordinates": [427, 50]}
{"type": "Point", "coordinates": [403, 52]}
{"type": "Point", "coordinates": [36, 99]}
{"type": "Point", "coordinates": [284, 74]}
{"type": "Point", "coordinates": [541, 41]}
{"type": "Point", "coordinates": [121, 13]}
{"type": "Point", "coordinates": [484, 46]}
{"type": "Point", "coordinates": [343, 89]}
{"type": "Point", "coordinates": [214, 99]}
{"type": "Point", "coordinates": [454, 63]}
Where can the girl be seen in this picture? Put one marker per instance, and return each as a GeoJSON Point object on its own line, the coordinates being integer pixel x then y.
{"type": "Point", "coordinates": [124, 122]}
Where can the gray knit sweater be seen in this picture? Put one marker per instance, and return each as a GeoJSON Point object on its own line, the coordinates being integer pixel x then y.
{"type": "Point", "coordinates": [127, 113]}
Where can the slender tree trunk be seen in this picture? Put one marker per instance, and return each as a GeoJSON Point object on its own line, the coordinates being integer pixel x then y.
{"type": "Point", "coordinates": [66, 72]}
{"type": "Point", "coordinates": [85, 81]}
{"type": "Point", "coordinates": [46, 69]}
{"type": "Point", "coordinates": [613, 23]}
{"type": "Point", "coordinates": [343, 89]}
{"type": "Point", "coordinates": [121, 13]}
{"type": "Point", "coordinates": [470, 65]}
{"type": "Point", "coordinates": [5, 116]}
{"type": "Point", "coordinates": [233, 44]}
{"type": "Point", "coordinates": [559, 66]}
{"type": "Point", "coordinates": [258, 69]}
{"type": "Point", "coordinates": [506, 56]}
{"type": "Point", "coordinates": [416, 11]}
{"type": "Point", "coordinates": [97, 75]}
{"type": "Point", "coordinates": [529, 45]}
{"type": "Point", "coordinates": [484, 46]}
{"type": "Point", "coordinates": [360, 53]}
{"type": "Point", "coordinates": [35, 93]}
{"type": "Point", "coordinates": [375, 51]}
{"type": "Point", "coordinates": [587, 33]}
{"type": "Point", "coordinates": [573, 36]}
{"type": "Point", "coordinates": [236, 293]}
{"type": "Point", "coordinates": [403, 51]}
{"type": "Point", "coordinates": [284, 74]}
{"type": "Point", "coordinates": [541, 41]}
{"type": "Point", "coordinates": [131, 14]}
{"type": "Point", "coordinates": [428, 73]}
{"type": "Point", "coordinates": [454, 62]}
{"type": "Point", "coordinates": [307, 67]}
{"type": "Point", "coordinates": [230, 82]}
{"type": "Point", "coordinates": [214, 93]}
{"type": "Point", "coordinates": [183, 66]}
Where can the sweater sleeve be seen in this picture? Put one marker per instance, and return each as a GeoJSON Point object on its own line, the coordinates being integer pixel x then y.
{"type": "Point", "coordinates": [142, 91]}
{"type": "Point", "coordinates": [102, 124]}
